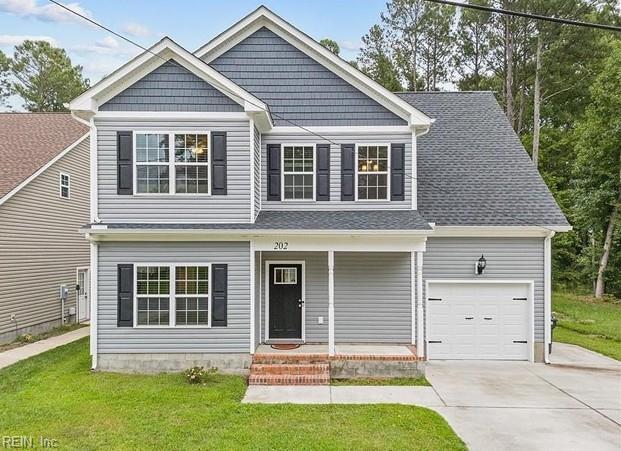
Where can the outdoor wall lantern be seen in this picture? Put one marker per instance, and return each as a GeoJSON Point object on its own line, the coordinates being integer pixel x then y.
{"type": "Point", "coordinates": [480, 265]}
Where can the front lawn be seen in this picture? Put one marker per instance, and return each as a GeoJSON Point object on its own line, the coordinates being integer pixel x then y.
{"type": "Point", "coordinates": [588, 322]}
{"type": "Point", "coordinates": [54, 395]}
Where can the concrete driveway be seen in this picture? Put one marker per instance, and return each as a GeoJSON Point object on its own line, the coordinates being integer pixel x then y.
{"type": "Point", "coordinates": [572, 404]}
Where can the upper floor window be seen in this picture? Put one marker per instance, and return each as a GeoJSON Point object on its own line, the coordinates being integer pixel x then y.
{"type": "Point", "coordinates": [298, 177]}
{"type": "Point", "coordinates": [65, 185]}
{"type": "Point", "coordinates": [172, 163]}
{"type": "Point", "coordinates": [372, 172]}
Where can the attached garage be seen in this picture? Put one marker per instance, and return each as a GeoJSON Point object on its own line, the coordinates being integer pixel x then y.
{"type": "Point", "coordinates": [486, 320]}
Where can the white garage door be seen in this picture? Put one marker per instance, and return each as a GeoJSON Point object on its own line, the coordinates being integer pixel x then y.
{"type": "Point", "coordinates": [488, 321]}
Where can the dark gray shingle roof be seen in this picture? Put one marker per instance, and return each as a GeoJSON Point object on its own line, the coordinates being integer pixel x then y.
{"type": "Point", "coordinates": [404, 220]}
{"type": "Point", "coordinates": [472, 167]}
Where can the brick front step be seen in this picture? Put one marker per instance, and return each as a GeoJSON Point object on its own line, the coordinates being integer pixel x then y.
{"type": "Point", "coordinates": [294, 368]}
{"type": "Point", "coordinates": [281, 359]}
{"type": "Point", "coordinates": [289, 379]}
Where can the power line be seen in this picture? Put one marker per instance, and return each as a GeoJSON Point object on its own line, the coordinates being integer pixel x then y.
{"type": "Point", "coordinates": [414, 179]}
{"type": "Point", "coordinates": [507, 12]}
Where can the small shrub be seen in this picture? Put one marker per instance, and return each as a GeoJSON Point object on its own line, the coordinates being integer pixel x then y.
{"type": "Point", "coordinates": [25, 338]}
{"type": "Point", "coordinates": [198, 375]}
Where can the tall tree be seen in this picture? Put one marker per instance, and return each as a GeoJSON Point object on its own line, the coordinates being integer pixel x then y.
{"type": "Point", "coordinates": [598, 163]}
{"type": "Point", "coordinates": [44, 77]}
{"type": "Point", "coordinates": [331, 45]}
{"type": "Point", "coordinates": [375, 61]}
{"type": "Point", "coordinates": [4, 71]}
{"type": "Point", "coordinates": [436, 44]}
{"type": "Point", "coordinates": [473, 43]}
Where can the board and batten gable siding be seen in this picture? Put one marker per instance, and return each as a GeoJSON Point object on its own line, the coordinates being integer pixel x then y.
{"type": "Point", "coordinates": [296, 87]}
{"type": "Point", "coordinates": [368, 136]}
{"type": "Point", "coordinates": [166, 208]}
{"type": "Point", "coordinates": [234, 338]}
{"type": "Point", "coordinates": [171, 87]}
{"type": "Point", "coordinates": [372, 297]}
{"type": "Point", "coordinates": [40, 243]}
{"type": "Point", "coordinates": [507, 258]}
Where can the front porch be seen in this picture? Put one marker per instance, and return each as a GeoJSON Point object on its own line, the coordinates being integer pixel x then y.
{"type": "Point", "coordinates": [358, 300]}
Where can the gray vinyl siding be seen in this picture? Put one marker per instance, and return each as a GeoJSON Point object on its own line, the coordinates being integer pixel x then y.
{"type": "Point", "coordinates": [296, 87]}
{"type": "Point", "coordinates": [171, 87]}
{"type": "Point", "coordinates": [233, 207]}
{"type": "Point", "coordinates": [507, 258]}
{"type": "Point", "coordinates": [359, 137]}
{"type": "Point", "coordinates": [257, 299]}
{"type": "Point", "coordinates": [257, 171]}
{"type": "Point", "coordinates": [316, 291]}
{"type": "Point", "coordinates": [40, 245]}
{"type": "Point", "coordinates": [372, 297]}
{"type": "Point", "coordinates": [235, 338]}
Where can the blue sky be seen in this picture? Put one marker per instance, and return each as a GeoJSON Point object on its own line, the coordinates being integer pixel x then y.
{"type": "Point", "coordinates": [190, 23]}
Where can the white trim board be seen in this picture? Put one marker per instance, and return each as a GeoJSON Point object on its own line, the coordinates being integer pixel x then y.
{"type": "Point", "coordinates": [267, 297]}
{"type": "Point", "coordinates": [531, 302]}
{"type": "Point", "coordinates": [263, 17]}
{"type": "Point", "coordinates": [42, 169]}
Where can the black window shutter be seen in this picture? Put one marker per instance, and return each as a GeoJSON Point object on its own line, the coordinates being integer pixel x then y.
{"type": "Point", "coordinates": [125, 290]}
{"type": "Point", "coordinates": [273, 172]}
{"type": "Point", "coordinates": [218, 163]}
{"type": "Point", "coordinates": [397, 172]}
{"type": "Point", "coordinates": [348, 160]}
{"type": "Point", "coordinates": [219, 273]}
{"type": "Point", "coordinates": [124, 163]}
{"type": "Point", "coordinates": [323, 172]}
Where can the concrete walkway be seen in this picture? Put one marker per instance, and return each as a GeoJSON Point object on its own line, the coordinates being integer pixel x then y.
{"type": "Point", "coordinates": [23, 352]}
{"type": "Point", "coordinates": [572, 404]}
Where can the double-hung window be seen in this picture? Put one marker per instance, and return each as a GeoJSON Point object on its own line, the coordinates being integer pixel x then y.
{"type": "Point", "coordinates": [372, 172]}
{"type": "Point", "coordinates": [172, 295]}
{"type": "Point", "coordinates": [172, 163]}
{"type": "Point", "coordinates": [298, 166]}
{"type": "Point", "coordinates": [65, 186]}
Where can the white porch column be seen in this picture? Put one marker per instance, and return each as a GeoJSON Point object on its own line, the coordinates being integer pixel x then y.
{"type": "Point", "coordinates": [331, 350]}
{"type": "Point", "coordinates": [252, 298]}
{"type": "Point", "coordinates": [420, 332]}
{"type": "Point", "coordinates": [547, 296]}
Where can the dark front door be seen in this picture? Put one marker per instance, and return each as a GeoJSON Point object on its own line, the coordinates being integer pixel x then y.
{"type": "Point", "coordinates": [285, 316]}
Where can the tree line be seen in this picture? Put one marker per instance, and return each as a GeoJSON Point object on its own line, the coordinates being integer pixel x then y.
{"type": "Point", "coordinates": [560, 87]}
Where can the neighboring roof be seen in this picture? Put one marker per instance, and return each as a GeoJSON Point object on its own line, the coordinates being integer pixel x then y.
{"type": "Point", "coordinates": [472, 167]}
{"type": "Point", "coordinates": [398, 220]}
{"type": "Point", "coordinates": [263, 17]}
{"type": "Point", "coordinates": [30, 140]}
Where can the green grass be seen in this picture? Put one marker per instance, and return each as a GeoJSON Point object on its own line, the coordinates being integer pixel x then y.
{"type": "Point", "coordinates": [419, 381]}
{"type": "Point", "coordinates": [25, 339]}
{"type": "Point", "coordinates": [591, 323]}
{"type": "Point", "coordinates": [56, 396]}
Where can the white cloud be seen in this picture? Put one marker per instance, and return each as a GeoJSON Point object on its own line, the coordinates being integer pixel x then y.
{"type": "Point", "coordinates": [353, 46]}
{"type": "Point", "coordinates": [136, 29]}
{"type": "Point", "coordinates": [107, 46]}
{"type": "Point", "coordinates": [14, 39]}
{"type": "Point", "coordinates": [45, 12]}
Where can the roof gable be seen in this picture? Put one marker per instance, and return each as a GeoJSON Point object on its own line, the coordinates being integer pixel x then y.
{"type": "Point", "coordinates": [30, 141]}
{"type": "Point", "coordinates": [171, 87]}
{"type": "Point", "coordinates": [296, 87]}
{"type": "Point", "coordinates": [264, 18]}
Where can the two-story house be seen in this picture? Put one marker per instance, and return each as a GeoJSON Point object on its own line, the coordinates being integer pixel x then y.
{"type": "Point", "coordinates": [261, 190]}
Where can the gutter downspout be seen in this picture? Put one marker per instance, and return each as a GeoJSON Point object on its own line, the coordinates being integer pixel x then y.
{"type": "Point", "coordinates": [547, 296]}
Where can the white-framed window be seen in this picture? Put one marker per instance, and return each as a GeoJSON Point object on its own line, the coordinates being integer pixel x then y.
{"type": "Point", "coordinates": [285, 276]}
{"type": "Point", "coordinates": [298, 172]}
{"type": "Point", "coordinates": [65, 185]}
{"type": "Point", "coordinates": [176, 295]}
{"type": "Point", "coordinates": [172, 163]}
{"type": "Point", "coordinates": [372, 172]}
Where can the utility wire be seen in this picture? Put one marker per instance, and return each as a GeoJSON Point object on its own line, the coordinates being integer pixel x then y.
{"type": "Point", "coordinates": [435, 186]}
{"type": "Point", "coordinates": [507, 12]}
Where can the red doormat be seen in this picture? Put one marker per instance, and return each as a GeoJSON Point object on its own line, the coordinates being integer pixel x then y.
{"type": "Point", "coordinates": [285, 346]}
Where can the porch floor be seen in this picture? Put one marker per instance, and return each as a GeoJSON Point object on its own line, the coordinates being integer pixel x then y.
{"type": "Point", "coordinates": [387, 350]}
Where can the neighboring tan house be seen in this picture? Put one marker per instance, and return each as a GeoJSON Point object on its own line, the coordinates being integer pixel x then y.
{"type": "Point", "coordinates": [44, 186]}
{"type": "Point", "coordinates": [263, 191]}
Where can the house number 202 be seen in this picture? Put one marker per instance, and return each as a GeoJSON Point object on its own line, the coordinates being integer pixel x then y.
{"type": "Point", "coordinates": [281, 245]}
